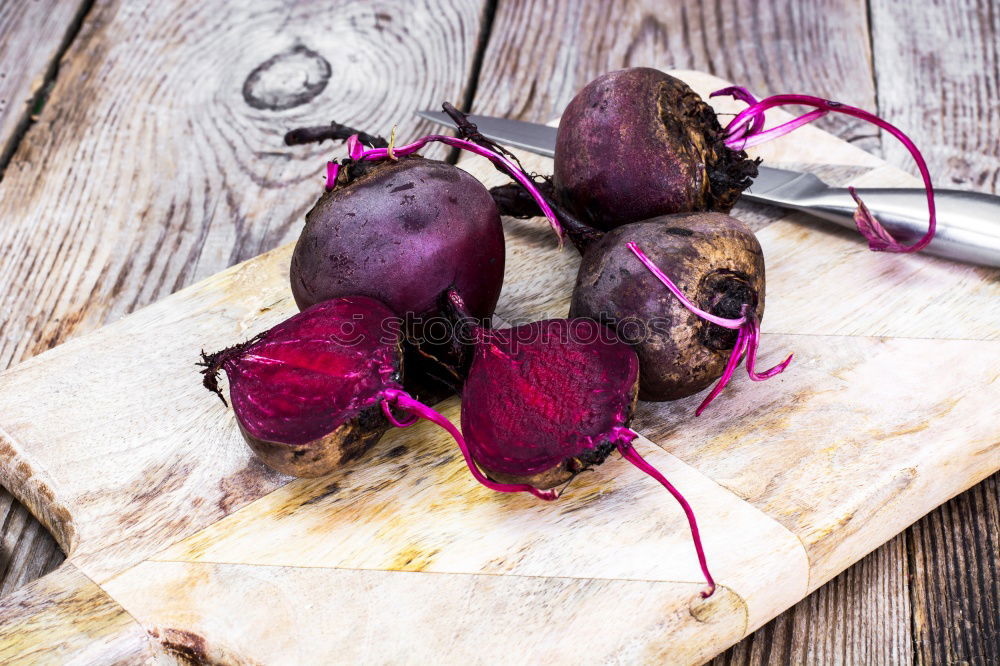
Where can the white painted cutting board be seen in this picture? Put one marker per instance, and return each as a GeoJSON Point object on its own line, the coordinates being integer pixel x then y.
{"type": "Point", "coordinates": [181, 545]}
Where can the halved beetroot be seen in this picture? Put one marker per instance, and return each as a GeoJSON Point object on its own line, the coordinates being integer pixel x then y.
{"type": "Point", "coordinates": [547, 399]}
{"type": "Point", "coordinates": [307, 393]}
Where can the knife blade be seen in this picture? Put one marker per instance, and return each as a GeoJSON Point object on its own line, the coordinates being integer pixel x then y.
{"type": "Point", "coordinates": [968, 223]}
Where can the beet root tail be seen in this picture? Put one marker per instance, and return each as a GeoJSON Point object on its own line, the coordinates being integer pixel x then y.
{"type": "Point", "coordinates": [630, 454]}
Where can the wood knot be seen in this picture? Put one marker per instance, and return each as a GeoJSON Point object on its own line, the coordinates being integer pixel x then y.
{"type": "Point", "coordinates": [286, 80]}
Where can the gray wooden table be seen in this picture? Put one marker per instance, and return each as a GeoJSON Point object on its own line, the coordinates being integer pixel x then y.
{"type": "Point", "coordinates": [89, 234]}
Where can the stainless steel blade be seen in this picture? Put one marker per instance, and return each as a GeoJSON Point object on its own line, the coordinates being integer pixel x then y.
{"type": "Point", "coordinates": [968, 222]}
{"type": "Point", "coordinates": [540, 139]}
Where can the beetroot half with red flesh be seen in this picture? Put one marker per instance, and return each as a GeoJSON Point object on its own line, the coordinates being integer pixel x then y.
{"type": "Point", "coordinates": [637, 143]}
{"type": "Point", "coordinates": [546, 400]}
{"type": "Point", "coordinates": [321, 387]}
{"type": "Point", "coordinates": [306, 393]}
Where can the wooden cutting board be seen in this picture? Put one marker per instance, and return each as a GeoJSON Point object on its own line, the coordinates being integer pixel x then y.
{"type": "Point", "coordinates": [182, 546]}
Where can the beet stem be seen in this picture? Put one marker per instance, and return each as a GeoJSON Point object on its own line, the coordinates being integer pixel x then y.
{"type": "Point", "coordinates": [334, 131]}
{"type": "Point", "coordinates": [402, 400]}
{"type": "Point", "coordinates": [357, 152]}
{"type": "Point", "coordinates": [747, 340]}
{"type": "Point", "coordinates": [685, 301]}
{"type": "Point", "coordinates": [746, 129]}
{"type": "Point", "coordinates": [630, 454]}
{"type": "Point", "coordinates": [731, 364]}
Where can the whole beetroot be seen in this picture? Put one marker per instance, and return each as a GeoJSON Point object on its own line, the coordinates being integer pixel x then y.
{"type": "Point", "coordinates": [402, 231]}
{"type": "Point", "coordinates": [637, 143]}
{"type": "Point", "coordinates": [713, 258]}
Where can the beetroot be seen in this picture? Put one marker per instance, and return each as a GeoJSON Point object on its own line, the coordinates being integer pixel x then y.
{"type": "Point", "coordinates": [306, 393]}
{"type": "Point", "coordinates": [581, 384]}
{"type": "Point", "coordinates": [318, 389]}
{"type": "Point", "coordinates": [545, 401]}
{"type": "Point", "coordinates": [713, 258]}
{"type": "Point", "coordinates": [402, 233]}
{"type": "Point", "coordinates": [638, 143]}
{"type": "Point", "coordinates": [402, 229]}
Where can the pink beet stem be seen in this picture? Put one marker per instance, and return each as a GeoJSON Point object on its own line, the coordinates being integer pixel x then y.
{"type": "Point", "coordinates": [747, 340]}
{"type": "Point", "coordinates": [731, 364]}
{"type": "Point", "coordinates": [402, 400]}
{"type": "Point", "coordinates": [515, 172]}
{"type": "Point", "coordinates": [630, 454]}
{"type": "Point", "coordinates": [662, 277]}
{"type": "Point", "coordinates": [332, 169]}
{"type": "Point", "coordinates": [743, 95]}
{"type": "Point", "coordinates": [751, 138]}
{"type": "Point", "coordinates": [745, 130]}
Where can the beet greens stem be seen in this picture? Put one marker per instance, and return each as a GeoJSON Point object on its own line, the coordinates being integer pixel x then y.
{"type": "Point", "coordinates": [746, 130]}
{"type": "Point", "coordinates": [403, 400]}
{"type": "Point", "coordinates": [625, 437]}
{"type": "Point", "coordinates": [358, 152]}
{"type": "Point", "coordinates": [747, 340]}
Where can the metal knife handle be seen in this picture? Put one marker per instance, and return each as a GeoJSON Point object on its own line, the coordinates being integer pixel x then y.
{"type": "Point", "coordinates": [968, 223]}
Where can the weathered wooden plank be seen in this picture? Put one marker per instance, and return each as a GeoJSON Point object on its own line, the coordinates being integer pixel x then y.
{"type": "Point", "coordinates": [33, 36]}
{"type": "Point", "coordinates": [158, 159]}
{"type": "Point", "coordinates": [27, 550]}
{"type": "Point", "coordinates": [937, 66]}
{"type": "Point", "coordinates": [64, 618]}
{"type": "Point", "coordinates": [938, 74]}
{"type": "Point", "coordinates": [540, 53]}
{"type": "Point", "coordinates": [955, 557]}
{"type": "Point", "coordinates": [858, 617]}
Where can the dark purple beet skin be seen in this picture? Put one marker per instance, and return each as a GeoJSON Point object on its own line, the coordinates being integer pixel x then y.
{"type": "Point", "coordinates": [403, 232]}
{"type": "Point", "coordinates": [306, 393]}
{"type": "Point", "coordinates": [714, 259]}
{"type": "Point", "coordinates": [637, 143]}
{"type": "Point", "coordinates": [544, 400]}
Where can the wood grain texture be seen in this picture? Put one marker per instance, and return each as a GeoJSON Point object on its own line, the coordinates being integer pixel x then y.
{"type": "Point", "coordinates": [33, 36]}
{"type": "Point", "coordinates": [955, 556]}
{"type": "Point", "coordinates": [540, 53]}
{"type": "Point", "coordinates": [412, 507]}
{"type": "Point", "coordinates": [64, 618]}
{"type": "Point", "coordinates": [413, 617]}
{"type": "Point", "coordinates": [166, 489]}
{"type": "Point", "coordinates": [158, 158]}
{"type": "Point", "coordinates": [938, 74]}
{"type": "Point", "coordinates": [853, 619]}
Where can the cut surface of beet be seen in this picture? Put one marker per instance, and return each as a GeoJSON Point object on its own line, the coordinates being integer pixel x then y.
{"type": "Point", "coordinates": [315, 371]}
{"type": "Point", "coordinates": [544, 392]}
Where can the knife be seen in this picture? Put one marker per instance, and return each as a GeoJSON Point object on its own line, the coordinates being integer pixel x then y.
{"type": "Point", "coordinates": [968, 223]}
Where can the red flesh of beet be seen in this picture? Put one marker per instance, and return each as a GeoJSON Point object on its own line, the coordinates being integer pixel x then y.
{"type": "Point", "coordinates": [320, 387]}
{"type": "Point", "coordinates": [304, 378]}
{"type": "Point", "coordinates": [555, 394]}
{"type": "Point", "coordinates": [306, 392]}
{"type": "Point", "coordinates": [545, 392]}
